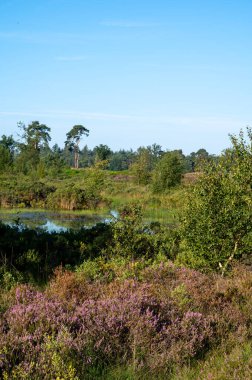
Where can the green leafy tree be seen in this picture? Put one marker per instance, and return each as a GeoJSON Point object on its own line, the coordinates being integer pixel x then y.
{"type": "Point", "coordinates": [73, 141]}
{"type": "Point", "coordinates": [168, 171]}
{"type": "Point", "coordinates": [86, 157]}
{"type": "Point", "coordinates": [142, 166]}
{"type": "Point", "coordinates": [121, 160]}
{"type": "Point", "coordinates": [5, 159]}
{"type": "Point", "coordinates": [54, 160]}
{"type": "Point", "coordinates": [102, 152]}
{"type": "Point", "coordinates": [9, 143]}
{"type": "Point", "coordinates": [7, 149]}
{"type": "Point", "coordinates": [201, 158]}
{"type": "Point", "coordinates": [217, 224]}
{"type": "Point", "coordinates": [156, 153]}
{"type": "Point", "coordinates": [35, 137]}
{"type": "Point", "coordinates": [127, 237]}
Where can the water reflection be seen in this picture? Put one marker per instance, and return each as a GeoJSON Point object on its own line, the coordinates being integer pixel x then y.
{"type": "Point", "coordinates": [52, 227]}
{"type": "Point", "coordinates": [52, 221]}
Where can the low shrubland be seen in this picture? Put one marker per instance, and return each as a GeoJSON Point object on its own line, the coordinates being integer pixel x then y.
{"type": "Point", "coordinates": [70, 192]}
{"type": "Point", "coordinates": [159, 321]}
{"type": "Point", "coordinates": [132, 299]}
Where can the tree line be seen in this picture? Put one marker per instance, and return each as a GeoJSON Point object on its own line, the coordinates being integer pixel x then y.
{"type": "Point", "coordinates": [31, 153]}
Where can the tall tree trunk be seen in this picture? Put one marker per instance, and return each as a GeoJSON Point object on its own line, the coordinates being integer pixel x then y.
{"type": "Point", "coordinates": [76, 157]}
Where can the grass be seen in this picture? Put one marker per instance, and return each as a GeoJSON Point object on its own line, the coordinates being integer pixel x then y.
{"type": "Point", "coordinates": [119, 189]}
{"type": "Point", "coordinates": [20, 211]}
{"type": "Point", "coordinates": [221, 364]}
{"type": "Point", "coordinates": [163, 208]}
{"type": "Point", "coordinates": [161, 215]}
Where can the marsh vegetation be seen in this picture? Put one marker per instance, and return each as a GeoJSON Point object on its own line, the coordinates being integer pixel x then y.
{"type": "Point", "coordinates": [160, 291]}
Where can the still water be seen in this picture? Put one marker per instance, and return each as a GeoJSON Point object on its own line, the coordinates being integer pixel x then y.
{"type": "Point", "coordinates": [53, 221]}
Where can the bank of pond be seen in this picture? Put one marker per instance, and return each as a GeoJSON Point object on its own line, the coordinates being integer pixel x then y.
{"type": "Point", "coordinates": [34, 252]}
{"type": "Point", "coordinates": [53, 221]}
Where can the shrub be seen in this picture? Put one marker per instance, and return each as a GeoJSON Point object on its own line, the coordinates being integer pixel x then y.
{"type": "Point", "coordinates": [168, 319]}
{"type": "Point", "coordinates": [168, 172]}
{"type": "Point", "coordinates": [217, 225]}
{"type": "Point", "coordinates": [43, 335]}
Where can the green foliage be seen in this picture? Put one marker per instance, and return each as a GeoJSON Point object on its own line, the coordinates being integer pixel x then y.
{"type": "Point", "coordinates": [76, 132]}
{"type": "Point", "coordinates": [121, 160]}
{"type": "Point", "coordinates": [79, 192]}
{"type": "Point", "coordinates": [23, 192]}
{"type": "Point", "coordinates": [9, 278]}
{"type": "Point", "coordinates": [69, 197]}
{"type": "Point", "coordinates": [168, 172]}
{"type": "Point", "coordinates": [7, 150]}
{"type": "Point", "coordinates": [5, 159]}
{"type": "Point", "coordinates": [126, 228]}
{"type": "Point", "coordinates": [180, 296]}
{"type": "Point", "coordinates": [90, 269]}
{"type": "Point", "coordinates": [134, 239]}
{"type": "Point", "coordinates": [36, 135]}
{"type": "Point", "coordinates": [217, 224]}
{"type": "Point", "coordinates": [54, 161]}
{"type": "Point", "coordinates": [73, 140]}
{"type": "Point", "coordinates": [102, 152]}
{"type": "Point", "coordinates": [142, 167]}
{"type": "Point", "coordinates": [126, 311]}
{"type": "Point", "coordinates": [33, 254]}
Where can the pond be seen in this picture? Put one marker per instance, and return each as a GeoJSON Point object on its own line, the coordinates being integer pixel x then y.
{"type": "Point", "coordinates": [51, 221]}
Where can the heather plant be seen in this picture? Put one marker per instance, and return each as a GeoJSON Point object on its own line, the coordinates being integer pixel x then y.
{"type": "Point", "coordinates": [180, 295]}
{"type": "Point", "coordinates": [125, 322]}
{"type": "Point", "coordinates": [155, 323]}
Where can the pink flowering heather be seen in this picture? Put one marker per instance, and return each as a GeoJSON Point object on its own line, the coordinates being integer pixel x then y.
{"type": "Point", "coordinates": [125, 323]}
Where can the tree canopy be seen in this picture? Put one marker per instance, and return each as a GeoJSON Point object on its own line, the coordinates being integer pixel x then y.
{"type": "Point", "coordinates": [73, 141]}
{"type": "Point", "coordinates": [35, 135]}
{"type": "Point", "coordinates": [168, 171]}
{"type": "Point", "coordinates": [217, 224]}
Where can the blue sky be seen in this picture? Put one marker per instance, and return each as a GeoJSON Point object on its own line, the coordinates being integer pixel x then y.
{"type": "Point", "coordinates": [176, 73]}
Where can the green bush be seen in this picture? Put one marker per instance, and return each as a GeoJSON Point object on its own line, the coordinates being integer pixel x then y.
{"type": "Point", "coordinates": [217, 223]}
{"type": "Point", "coordinates": [168, 172]}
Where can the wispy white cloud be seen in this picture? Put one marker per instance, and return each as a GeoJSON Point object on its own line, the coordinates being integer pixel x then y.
{"type": "Point", "coordinates": [161, 120]}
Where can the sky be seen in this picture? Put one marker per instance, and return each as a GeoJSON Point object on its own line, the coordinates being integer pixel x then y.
{"type": "Point", "coordinates": [173, 72]}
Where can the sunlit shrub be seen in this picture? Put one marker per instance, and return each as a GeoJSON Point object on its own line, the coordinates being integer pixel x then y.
{"type": "Point", "coordinates": [216, 227]}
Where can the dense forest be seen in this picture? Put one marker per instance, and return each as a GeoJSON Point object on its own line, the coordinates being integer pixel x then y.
{"type": "Point", "coordinates": [161, 291]}
{"type": "Point", "coordinates": [31, 153]}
